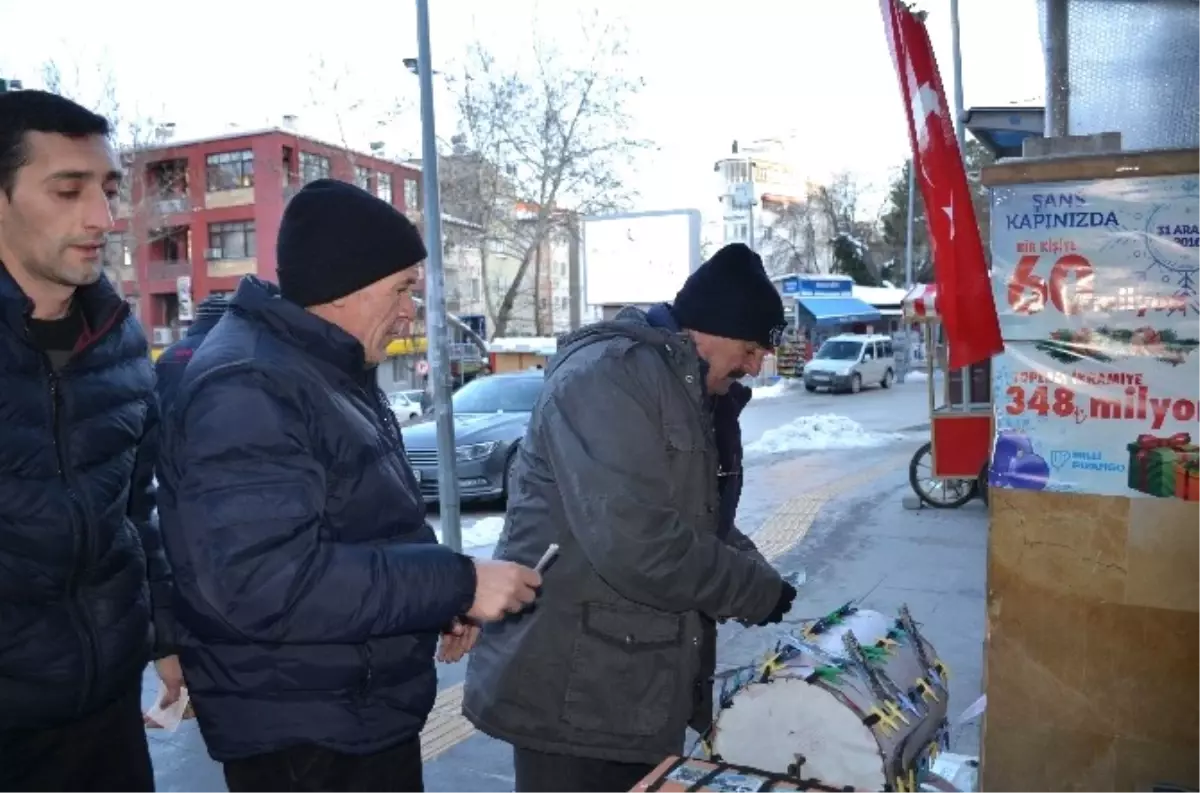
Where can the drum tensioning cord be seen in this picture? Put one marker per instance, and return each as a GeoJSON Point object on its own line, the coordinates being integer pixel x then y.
{"type": "Point", "coordinates": [721, 767]}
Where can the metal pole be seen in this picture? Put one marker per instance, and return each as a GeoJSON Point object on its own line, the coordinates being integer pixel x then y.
{"type": "Point", "coordinates": [908, 235]}
{"type": "Point", "coordinates": [435, 293]}
{"type": "Point", "coordinates": [574, 272]}
{"type": "Point", "coordinates": [1057, 78]}
{"type": "Point", "coordinates": [958, 86]}
{"type": "Point", "coordinates": [750, 205]}
{"type": "Point", "coordinates": [959, 133]}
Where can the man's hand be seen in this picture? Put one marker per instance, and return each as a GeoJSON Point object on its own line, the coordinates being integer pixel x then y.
{"type": "Point", "coordinates": [457, 641]}
{"type": "Point", "coordinates": [787, 594]}
{"type": "Point", "coordinates": [171, 674]}
{"type": "Point", "coordinates": [502, 588]}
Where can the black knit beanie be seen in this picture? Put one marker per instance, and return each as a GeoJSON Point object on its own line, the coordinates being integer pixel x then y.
{"type": "Point", "coordinates": [336, 238]}
{"type": "Point", "coordinates": [731, 296]}
{"type": "Point", "coordinates": [212, 307]}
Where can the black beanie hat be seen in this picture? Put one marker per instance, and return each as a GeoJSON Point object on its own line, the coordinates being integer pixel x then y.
{"type": "Point", "coordinates": [731, 296]}
{"type": "Point", "coordinates": [336, 238]}
{"type": "Point", "coordinates": [212, 307]}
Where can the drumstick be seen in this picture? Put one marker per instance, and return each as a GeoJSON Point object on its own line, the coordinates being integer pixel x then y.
{"type": "Point", "coordinates": [547, 558]}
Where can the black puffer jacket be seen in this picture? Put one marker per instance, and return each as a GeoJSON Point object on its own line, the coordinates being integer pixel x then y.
{"type": "Point", "coordinates": [310, 589]}
{"type": "Point", "coordinates": [75, 537]}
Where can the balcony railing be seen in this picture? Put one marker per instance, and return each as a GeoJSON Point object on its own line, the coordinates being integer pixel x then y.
{"type": "Point", "coordinates": [168, 270]}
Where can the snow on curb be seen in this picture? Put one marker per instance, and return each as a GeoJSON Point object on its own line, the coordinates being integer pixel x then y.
{"type": "Point", "coordinates": [776, 389]}
{"type": "Point", "coordinates": [825, 431]}
{"type": "Point", "coordinates": [483, 533]}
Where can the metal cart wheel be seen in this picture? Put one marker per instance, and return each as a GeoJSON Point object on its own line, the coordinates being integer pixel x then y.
{"type": "Point", "coordinates": [981, 484]}
{"type": "Point", "coordinates": [937, 493]}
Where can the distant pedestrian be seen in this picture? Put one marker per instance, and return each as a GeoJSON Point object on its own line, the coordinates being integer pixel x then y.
{"type": "Point", "coordinates": [632, 464]}
{"type": "Point", "coordinates": [313, 590]}
{"type": "Point", "coordinates": [78, 535]}
{"type": "Point", "coordinates": [169, 367]}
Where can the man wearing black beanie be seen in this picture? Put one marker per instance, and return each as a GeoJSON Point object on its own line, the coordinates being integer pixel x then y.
{"type": "Point", "coordinates": [632, 465]}
{"type": "Point", "coordinates": [311, 589]}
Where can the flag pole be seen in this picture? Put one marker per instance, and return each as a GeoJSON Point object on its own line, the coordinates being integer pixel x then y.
{"type": "Point", "coordinates": [956, 58]}
{"type": "Point", "coordinates": [956, 49]}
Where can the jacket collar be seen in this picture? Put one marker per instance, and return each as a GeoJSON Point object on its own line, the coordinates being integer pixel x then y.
{"type": "Point", "coordinates": [662, 316]}
{"type": "Point", "coordinates": [202, 325]}
{"type": "Point", "coordinates": [262, 301]}
{"type": "Point", "coordinates": [102, 307]}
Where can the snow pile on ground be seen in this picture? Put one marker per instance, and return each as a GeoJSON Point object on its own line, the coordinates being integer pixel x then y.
{"type": "Point", "coordinates": [776, 389]}
{"type": "Point", "coordinates": [826, 431]}
{"type": "Point", "coordinates": [916, 376]}
{"type": "Point", "coordinates": [483, 533]}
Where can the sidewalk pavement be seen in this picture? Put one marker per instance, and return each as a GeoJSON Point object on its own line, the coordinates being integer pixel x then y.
{"type": "Point", "coordinates": [855, 541]}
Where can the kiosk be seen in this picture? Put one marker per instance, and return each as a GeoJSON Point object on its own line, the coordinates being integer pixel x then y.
{"type": "Point", "coordinates": [952, 468]}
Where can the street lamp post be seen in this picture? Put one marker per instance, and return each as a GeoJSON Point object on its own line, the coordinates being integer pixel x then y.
{"type": "Point", "coordinates": [435, 292]}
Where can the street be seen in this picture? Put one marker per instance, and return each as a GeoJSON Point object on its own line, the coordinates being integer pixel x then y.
{"type": "Point", "coordinates": [811, 500]}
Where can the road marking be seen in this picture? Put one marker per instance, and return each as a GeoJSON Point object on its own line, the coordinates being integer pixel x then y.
{"type": "Point", "coordinates": [784, 530]}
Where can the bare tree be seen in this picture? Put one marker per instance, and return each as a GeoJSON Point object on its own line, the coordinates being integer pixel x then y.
{"type": "Point", "coordinates": [790, 242]}
{"type": "Point", "coordinates": [151, 189]}
{"type": "Point", "coordinates": [533, 145]}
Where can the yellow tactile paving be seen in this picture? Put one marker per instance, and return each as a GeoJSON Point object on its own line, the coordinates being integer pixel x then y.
{"type": "Point", "coordinates": [785, 529]}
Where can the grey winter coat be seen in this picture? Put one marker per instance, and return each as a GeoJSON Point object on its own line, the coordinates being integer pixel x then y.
{"type": "Point", "coordinates": [619, 467]}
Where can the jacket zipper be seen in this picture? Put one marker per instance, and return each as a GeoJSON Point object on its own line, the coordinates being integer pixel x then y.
{"type": "Point", "coordinates": [81, 549]}
{"type": "Point", "coordinates": [368, 674]}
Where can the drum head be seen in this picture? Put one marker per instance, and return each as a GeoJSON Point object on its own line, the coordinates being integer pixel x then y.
{"type": "Point", "coordinates": [768, 724]}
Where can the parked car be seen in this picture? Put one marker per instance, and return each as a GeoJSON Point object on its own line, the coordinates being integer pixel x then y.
{"type": "Point", "coordinates": [849, 361]}
{"type": "Point", "coordinates": [404, 406]}
{"type": "Point", "coordinates": [490, 417]}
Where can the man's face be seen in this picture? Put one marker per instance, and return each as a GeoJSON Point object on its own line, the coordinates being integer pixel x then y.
{"type": "Point", "coordinates": [728, 360]}
{"type": "Point", "coordinates": [377, 314]}
{"type": "Point", "coordinates": [53, 226]}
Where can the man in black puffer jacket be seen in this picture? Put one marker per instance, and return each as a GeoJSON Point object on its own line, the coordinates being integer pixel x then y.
{"type": "Point", "coordinates": [77, 418]}
{"type": "Point", "coordinates": [311, 589]}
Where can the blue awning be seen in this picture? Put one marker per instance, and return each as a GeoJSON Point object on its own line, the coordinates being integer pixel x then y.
{"type": "Point", "coordinates": [825, 311]}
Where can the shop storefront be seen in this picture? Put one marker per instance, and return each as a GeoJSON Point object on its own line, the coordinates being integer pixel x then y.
{"type": "Point", "coordinates": [818, 307]}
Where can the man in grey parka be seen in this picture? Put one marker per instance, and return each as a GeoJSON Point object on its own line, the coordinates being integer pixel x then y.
{"type": "Point", "coordinates": [632, 465]}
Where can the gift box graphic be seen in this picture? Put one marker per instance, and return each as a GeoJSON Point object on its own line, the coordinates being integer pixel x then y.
{"type": "Point", "coordinates": [1187, 480]}
{"type": "Point", "coordinates": [1154, 462]}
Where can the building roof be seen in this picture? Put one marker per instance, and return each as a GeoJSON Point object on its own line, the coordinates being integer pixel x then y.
{"type": "Point", "coordinates": [235, 134]}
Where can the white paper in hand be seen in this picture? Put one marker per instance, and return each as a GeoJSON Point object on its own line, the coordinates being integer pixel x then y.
{"type": "Point", "coordinates": [170, 717]}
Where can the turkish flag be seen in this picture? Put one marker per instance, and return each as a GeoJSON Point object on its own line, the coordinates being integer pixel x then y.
{"type": "Point", "coordinates": [960, 269]}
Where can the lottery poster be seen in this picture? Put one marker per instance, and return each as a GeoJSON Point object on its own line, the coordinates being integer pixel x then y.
{"type": "Point", "coordinates": [1095, 284]}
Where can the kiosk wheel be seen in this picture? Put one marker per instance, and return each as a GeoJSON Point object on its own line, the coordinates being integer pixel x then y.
{"type": "Point", "coordinates": [937, 493]}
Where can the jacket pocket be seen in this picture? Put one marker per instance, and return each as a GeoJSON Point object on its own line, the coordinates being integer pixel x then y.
{"type": "Point", "coordinates": [625, 671]}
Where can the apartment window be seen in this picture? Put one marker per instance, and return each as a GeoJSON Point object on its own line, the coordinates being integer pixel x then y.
{"type": "Point", "coordinates": [476, 288]}
{"type": "Point", "coordinates": [313, 167]}
{"type": "Point", "coordinates": [383, 187]}
{"type": "Point", "coordinates": [235, 240]}
{"type": "Point", "coordinates": [362, 177]}
{"type": "Point", "coordinates": [412, 195]}
{"type": "Point", "coordinates": [116, 250]}
{"type": "Point", "coordinates": [230, 170]}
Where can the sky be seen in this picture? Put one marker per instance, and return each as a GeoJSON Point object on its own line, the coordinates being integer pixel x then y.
{"type": "Point", "coordinates": [814, 73]}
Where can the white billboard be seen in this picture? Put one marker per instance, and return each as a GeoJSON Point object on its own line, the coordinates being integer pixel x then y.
{"type": "Point", "coordinates": [639, 257]}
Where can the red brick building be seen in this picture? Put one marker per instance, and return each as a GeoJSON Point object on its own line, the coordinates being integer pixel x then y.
{"type": "Point", "coordinates": [199, 215]}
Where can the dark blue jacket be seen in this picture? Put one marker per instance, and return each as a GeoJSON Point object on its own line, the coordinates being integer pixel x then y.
{"type": "Point", "coordinates": [168, 369]}
{"type": "Point", "coordinates": [75, 535]}
{"type": "Point", "coordinates": [310, 589]}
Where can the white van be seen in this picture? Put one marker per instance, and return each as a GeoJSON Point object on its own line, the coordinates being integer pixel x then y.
{"type": "Point", "coordinates": [850, 361]}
